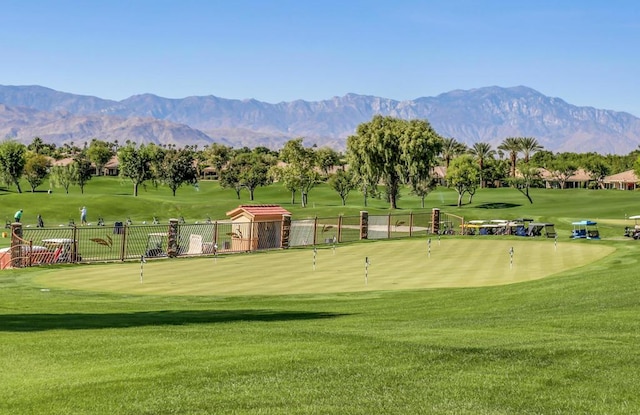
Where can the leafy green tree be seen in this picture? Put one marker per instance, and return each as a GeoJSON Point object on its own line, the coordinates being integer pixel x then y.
{"type": "Point", "coordinates": [301, 163]}
{"type": "Point", "coordinates": [61, 176]}
{"type": "Point", "coordinates": [528, 177]}
{"type": "Point", "coordinates": [543, 159]}
{"type": "Point", "coordinates": [249, 171]}
{"type": "Point", "coordinates": [178, 168]}
{"type": "Point", "coordinates": [423, 187]}
{"type": "Point", "coordinates": [217, 156]}
{"type": "Point", "coordinates": [463, 176]}
{"type": "Point", "coordinates": [394, 151]}
{"type": "Point", "coordinates": [135, 164]}
{"type": "Point", "coordinates": [230, 177]}
{"type": "Point", "coordinates": [289, 178]}
{"type": "Point", "coordinates": [495, 171]}
{"type": "Point", "coordinates": [561, 169]}
{"type": "Point", "coordinates": [81, 170]}
{"type": "Point", "coordinates": [99, 152]}
{"type": "Point", "coordinates": [36, 169]}
{"type": "Point", "coordinates": [342, 182]}
{"type": "Point", "coordinates": [327, 158]}
{"type": "Point", "coordinates": [598, 169]}
{"type": "Point", "coordinates": [12, 162]}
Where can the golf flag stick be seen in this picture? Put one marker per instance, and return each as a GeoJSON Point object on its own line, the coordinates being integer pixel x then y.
{"type": "Point", "coordinates": [315, 252]}
{"type": "Point", "coordinates": [366, 270]}
{"type": "Point", "coordinates": [511, 258]}
{"type": "Point", "coordinates": [142, 261]}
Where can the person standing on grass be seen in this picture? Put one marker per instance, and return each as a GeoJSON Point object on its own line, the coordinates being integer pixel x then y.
{"type": "Point", "coordinates": [83, 215]}
{"type": "Point", "coordinates": [18, 216]}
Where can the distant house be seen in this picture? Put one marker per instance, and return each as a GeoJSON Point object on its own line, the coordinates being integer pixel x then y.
{"type": "Point", "coordinates": [627, 180]}
{"type": "Point", "coordinates": [580, 179]}
{"type": "Point", "coordinates": [111, 167]}
{"type": "Point", "coordinates": [62, 162]}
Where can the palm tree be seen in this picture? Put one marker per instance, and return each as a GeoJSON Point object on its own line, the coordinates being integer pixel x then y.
{"type": "Point", "coordinates": [511, 145]}
{"type": "Point", "coordinates": [481, 152]}
{"type": "Point", "coordinates": [528, 146]}
{"type": "Point", "coordinates": [450, 149]}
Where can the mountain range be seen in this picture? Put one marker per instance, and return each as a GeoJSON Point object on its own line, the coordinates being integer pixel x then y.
{"type": "Point", "coordinates": [487, 114]}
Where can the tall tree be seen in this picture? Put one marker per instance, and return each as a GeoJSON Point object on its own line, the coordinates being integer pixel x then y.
{"type": "Point", "coordinates": [511, 145]}
{"type": "Point", "coordinates": [81, 170]}
{"type": "Point", "coordinates": [561, 169]}
{"type": "Point", "coordinates": [217, 156]}
{"type": "Point", "coordinates": [178, 168]}
{"type": "Point", "coordinates": [598, 169]}
{"type": "Point", "coordinates": [135, 164]}
{"type": "Point", "coordinates": [394, 151]}
{"type": "Point", "coordinates": [248, 170]}
{"type": "Point", "coordinates": [301, 162]}
{"type": "Point", "coordinates": [99, 153]}
{"type": "Point", "coordinates": [61, 176]}
{"type": "Point", "coordinates": [528, 146]}
{"type": "Point", "coordinates": [528, 177]}
{"type": "Point", "coordinates": [482, 152]}
{"type": "Point", "coordinates": [36, 169]}
{"type": "Point", "coordinates": [12, 162]}
{"type": "Point", "coordinates": [342, 182]}
{"type": "Point", "coordinates": [463, 175]}
{"type": "Point", "coordinates": [451, 148]}
{"type": "Point", "coordinates": [327, 158]}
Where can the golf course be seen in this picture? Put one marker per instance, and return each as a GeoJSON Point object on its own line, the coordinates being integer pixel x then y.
{"type": "Point", "coordinates": [477, 324]}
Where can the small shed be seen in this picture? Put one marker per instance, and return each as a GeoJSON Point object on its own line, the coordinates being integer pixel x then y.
{"type": "Point", "coordinates": [257, 227]}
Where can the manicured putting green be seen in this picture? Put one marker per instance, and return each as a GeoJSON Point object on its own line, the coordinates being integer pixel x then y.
{"type": "Point", "coordinates": [393, 265]}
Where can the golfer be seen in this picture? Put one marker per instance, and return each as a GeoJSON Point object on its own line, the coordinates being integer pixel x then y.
{"type": "Point", "coordinates": [18, 216]}
{"type": "Point", "coordinates": [83, 216]}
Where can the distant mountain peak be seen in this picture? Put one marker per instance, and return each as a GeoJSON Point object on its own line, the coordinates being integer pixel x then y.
{"type": "Point", "coordinates": [487, 114]}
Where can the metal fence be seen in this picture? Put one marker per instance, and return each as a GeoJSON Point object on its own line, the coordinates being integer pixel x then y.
{"type": "Point", "coordinates": [121, 241]}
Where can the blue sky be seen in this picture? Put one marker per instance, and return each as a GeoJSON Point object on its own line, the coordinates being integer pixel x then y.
{"type": "Point", "coordinates": [585, 52]}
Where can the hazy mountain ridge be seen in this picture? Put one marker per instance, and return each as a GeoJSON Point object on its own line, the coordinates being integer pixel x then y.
{"type": "Point", "coordinates": [485, 114]}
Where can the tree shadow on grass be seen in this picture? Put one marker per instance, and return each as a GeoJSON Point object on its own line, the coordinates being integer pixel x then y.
{"type": "Point", "coordinates": [81, 321]}
{"type": "Point", "coordinates": [499, 205]}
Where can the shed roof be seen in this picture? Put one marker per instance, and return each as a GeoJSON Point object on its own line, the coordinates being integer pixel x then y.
{"type": "Point", "coordinates": [259, 210]}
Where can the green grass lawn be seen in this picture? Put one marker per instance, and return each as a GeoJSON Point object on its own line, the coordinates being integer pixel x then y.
{"type": "Point", "coordinates": [393, 265]}
{"type": "Point", "coordinates": [459, 332]}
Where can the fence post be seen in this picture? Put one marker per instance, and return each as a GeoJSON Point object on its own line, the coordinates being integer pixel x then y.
{"type": "Point", "coordinates": [123, 245]}
{"type": "Point", "coordinates": [410, 224]}
{"type": "Point", "coordinates": [16, 245]}
{"type": "Point", "coordinates": [435, 221]}
{"type": "Point", "coordinates": [285, 232]}
{"type": "Point", "coordinates": [172, 237]}
{"type": "Point", "coordinates": [340, 228]}
{"type": "Point", "coordinates": [74, 246]}
{"type": "Point", "coordinates": [364, 224]}
{"type": "Point", "coordinates": [215, 233]}
{"type": "Point", "coordinates": [389, 226]}
{"type": "Point", "coordinates": [315, 229]}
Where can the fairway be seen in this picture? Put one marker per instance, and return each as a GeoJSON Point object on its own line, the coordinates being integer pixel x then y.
{"type": "Point", "coordinates": [393, 265]}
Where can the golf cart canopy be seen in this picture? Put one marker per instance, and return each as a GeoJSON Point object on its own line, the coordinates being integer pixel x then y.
{"type": "Point", "coordinates": [584, 223]}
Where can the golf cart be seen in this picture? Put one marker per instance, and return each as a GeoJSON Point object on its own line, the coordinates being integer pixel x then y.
{"type": "Point", "coordinates": [540, 229]}
{"type": "Point", "coordinates": [155, 245]}
{"type": "Point", "coordinates": [61, 250]}
{"type": "Point", "coordinates": [585, 229]}
{"type": "Point", "coordinates": [635, 231]}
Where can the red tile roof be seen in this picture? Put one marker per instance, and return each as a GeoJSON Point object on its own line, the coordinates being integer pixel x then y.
{"type": "Point", "coordinates": [259, 210]}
